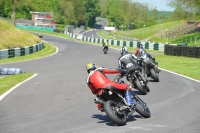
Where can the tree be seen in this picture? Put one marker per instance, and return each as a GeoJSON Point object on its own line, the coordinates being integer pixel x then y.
{"type": "Point", "coordinates": [80, 13]}
{"type": "Point", "coordinates": [189, 7]}
{"type": "Point", "coordinates": [92, 11]}
{"type": "Point", "coordinates": [103, 7]}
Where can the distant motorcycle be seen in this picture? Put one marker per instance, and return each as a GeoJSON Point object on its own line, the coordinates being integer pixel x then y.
{"type": "Point", "coordinates": [150, 66]}
{"type": "Point", "coordinates": [116, 107]}
{"type": "Point", "coordinates": [105, 49]}
{"type": "Point", "coordinates": [40, 36]}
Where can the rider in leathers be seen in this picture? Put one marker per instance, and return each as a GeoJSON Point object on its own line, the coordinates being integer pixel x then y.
{"type": "Point", "coordinates": [127, 60]}
{"type": "Point", "coordinates": [97, 80]}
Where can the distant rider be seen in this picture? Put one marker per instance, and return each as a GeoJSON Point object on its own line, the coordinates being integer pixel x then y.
{"type": "Point", "coordinates": [127, 60]}
{"type": "Point", "coordinates": [97, 80]}
{"type": "Point", "coordinates": [105, 44]}
{"type": "Point", "coordinates": [139, 50]}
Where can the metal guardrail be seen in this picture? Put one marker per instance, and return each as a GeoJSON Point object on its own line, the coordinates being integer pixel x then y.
{"type": "Point", "coordinates": [15, 52]}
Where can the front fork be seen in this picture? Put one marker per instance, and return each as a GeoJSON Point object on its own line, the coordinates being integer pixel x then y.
{"type": "Point", "coordinates": [142, 77]}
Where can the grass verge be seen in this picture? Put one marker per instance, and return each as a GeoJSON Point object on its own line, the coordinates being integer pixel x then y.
{"type": "Point", "coordinates": [47, 51]}
{"type": "Point", "coordinates": [9, 81]}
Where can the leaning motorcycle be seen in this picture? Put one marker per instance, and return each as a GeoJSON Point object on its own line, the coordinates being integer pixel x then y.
{"type": "Point", "coordinates": [116, 107]}
{"type": "Point", "coordinates": [105, 49]}
{"type": "Point", "coordinates": [150, 66]}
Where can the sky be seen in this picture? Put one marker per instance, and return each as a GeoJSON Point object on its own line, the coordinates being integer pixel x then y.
{"type": "Point", "coordinates": [161, 5]}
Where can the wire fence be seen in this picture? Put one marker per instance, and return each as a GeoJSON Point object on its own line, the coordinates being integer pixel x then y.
{"type": "Point", "coordinates": [194, 39]}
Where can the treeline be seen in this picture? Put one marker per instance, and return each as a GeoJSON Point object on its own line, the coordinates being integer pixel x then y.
{"type": "Point", "coordinates": [120, 13]}
{"type": "Point", "coordinates": [71, 12]}
{"type": "Point", "coordinates": [131, 14]}
{"type": "Point", "coordinates": [127, 14]}
{"type": "Point", "coordinates": [185, 9]}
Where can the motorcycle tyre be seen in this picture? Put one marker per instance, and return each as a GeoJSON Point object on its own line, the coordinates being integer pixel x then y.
{"type": "Point", "coordinates": [140, 109]}
{"type": "Point", "coordinates": [140, 87]}
{"type": "Point", "coordinates": [147, 88]}
{"type": "Point", "coordinates": [112, 114]}
{"type": "Point", "coordinates": [154, 75]}
{"type": "Point", "coordinates": [105, 51]}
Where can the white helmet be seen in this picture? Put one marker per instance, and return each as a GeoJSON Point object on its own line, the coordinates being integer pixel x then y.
{"type": "Point", "coordinates": [123, 50]}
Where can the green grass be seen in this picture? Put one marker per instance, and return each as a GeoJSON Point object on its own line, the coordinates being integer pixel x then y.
{"type": "Point", "coordinates": [182, 65]}
{"type": "Point", "coordinates": [10, 81]}
{"type": "Point", "coordinates": [149, 32]}
{"type": "Point", "coordinates": [146, 32]}
{"type": "Point", "coordinates": [9, 38]}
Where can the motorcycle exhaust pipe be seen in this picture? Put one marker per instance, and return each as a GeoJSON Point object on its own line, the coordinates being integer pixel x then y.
{"type": "Point", "coordinates": [97, 100]}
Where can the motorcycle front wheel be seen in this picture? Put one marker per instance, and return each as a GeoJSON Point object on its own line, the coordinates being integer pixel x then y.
{"type": "Point", "coordinates": [105, 50]}
{"type": "Point", "coordinates": [110, 109]}
{"type": "Point", "coordinates": [142, 108]}
{"type": "Point", "coordinates": [140, 87]}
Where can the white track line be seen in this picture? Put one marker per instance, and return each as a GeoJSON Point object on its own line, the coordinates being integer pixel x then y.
{"type": "Point", "coordinates": [10, 90]}
{"type": "Point", "coordinates": [180, 75]}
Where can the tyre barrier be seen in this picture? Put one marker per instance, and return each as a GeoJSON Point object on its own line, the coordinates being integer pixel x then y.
{"type": "Point", "coordinates": [15, 52]}
{"type": "Point", "coordinates": [187, 51]}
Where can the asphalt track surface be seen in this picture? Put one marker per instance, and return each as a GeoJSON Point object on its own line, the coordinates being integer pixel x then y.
{"type": "Point", "coordinates": [58, 99]}
{"type": "Point", "coordinates": [93, 32]}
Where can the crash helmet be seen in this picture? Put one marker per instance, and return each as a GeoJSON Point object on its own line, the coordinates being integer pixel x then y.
{"type": "Point", "coordinates": [123, 50]}
{"type": "Point", "coordinates": [140, 46]}
{"type": "Point", "coordinates": [91, 66]}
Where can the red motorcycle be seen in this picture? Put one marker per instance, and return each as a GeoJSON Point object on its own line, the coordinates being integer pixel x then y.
{"type": "Point", "coordinates": [116, 107]}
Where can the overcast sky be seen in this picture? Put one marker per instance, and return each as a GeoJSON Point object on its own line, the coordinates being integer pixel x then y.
{"type": "Point", "coordinates": [159, 4]}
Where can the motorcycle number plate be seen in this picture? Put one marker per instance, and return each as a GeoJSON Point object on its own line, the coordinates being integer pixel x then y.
{"type": "Point", "coordinates": [129, 65]}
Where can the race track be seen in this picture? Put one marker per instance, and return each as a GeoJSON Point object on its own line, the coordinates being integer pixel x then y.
{"type": "Point", "coordinates": [58, 99]}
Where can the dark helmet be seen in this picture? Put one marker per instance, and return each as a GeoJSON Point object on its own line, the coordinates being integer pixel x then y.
{"type": "Point", "coordinates": [123, 50]}
{"type": "Point", "coordinates": [91, 66]}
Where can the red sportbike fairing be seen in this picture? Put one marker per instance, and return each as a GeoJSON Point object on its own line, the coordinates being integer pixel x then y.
{"type": "Point", "coordinates": [115, 106]}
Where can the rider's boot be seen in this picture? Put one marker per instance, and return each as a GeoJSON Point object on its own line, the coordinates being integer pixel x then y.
{"type": "Point", "coordinates": [100, 107]}
{"type": "Point", "coordinates": [129, 99]}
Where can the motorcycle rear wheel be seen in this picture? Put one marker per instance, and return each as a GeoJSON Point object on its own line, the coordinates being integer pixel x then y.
{"type": "Point", "coordinates": [113, 115]}
{"type": "Point", "coordinates": [142, 108]}
{"type": "Point", "coordinates": [154, 75]}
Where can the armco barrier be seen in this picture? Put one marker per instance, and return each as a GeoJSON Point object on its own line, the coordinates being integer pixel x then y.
{"type": "Point", "coordinates": [134, 44]}
{"type": "Point", "coordinates": [10, 53]}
